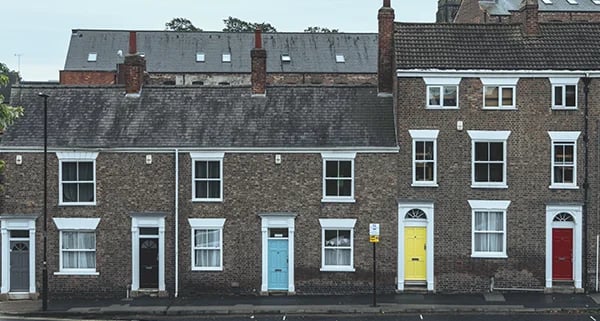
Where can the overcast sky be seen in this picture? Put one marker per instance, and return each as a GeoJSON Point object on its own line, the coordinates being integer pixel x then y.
{"type": "Point", "coordinates": [38, 31]}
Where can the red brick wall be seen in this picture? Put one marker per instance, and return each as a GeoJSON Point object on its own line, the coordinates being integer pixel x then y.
{"type": "Point", "coordinates": [87, 77]}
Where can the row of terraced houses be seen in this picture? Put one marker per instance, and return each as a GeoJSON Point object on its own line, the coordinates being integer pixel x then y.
{"type": "Point", "coordinates": [187, 163]}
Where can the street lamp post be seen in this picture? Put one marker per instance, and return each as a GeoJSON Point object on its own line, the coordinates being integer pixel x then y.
{"type": "Point", "coordinates": [45, 261]}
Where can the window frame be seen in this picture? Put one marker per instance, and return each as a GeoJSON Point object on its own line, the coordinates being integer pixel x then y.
{"type": "Point", "coordinates": [442, 83]}
{"type": "Point", "coordinates": [480, 206]}
{"type": "Point", "coordinates": [563, 138]}
{"type": "Point", "coordinates": [338, 157]}
{"type": "Point", "coordinates": [207, 157]}
{"type": "Point", "coordinates": [77, 225]}
{"type": "Point", "coordinates": [206, 224]}
{"type": "Point", "coordinates": [77, 157]}
{"type": "Point", "coordinates": [337, 225]}
{"type": "Point", "coordinates": [563, 83]}
{"type": "Point", "coordinates": [424, 136]}
{"type": "Point", "coordinates": [478, 136]}
{"type": "Point", "coordinates": [500, 83]}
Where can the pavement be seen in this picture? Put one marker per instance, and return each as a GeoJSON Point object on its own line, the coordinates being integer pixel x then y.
{"type": "Point", "coordinates": [495, 302]}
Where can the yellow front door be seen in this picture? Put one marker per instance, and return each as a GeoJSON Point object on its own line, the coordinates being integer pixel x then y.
{"type": "Point", "coordinates": [415, 248]}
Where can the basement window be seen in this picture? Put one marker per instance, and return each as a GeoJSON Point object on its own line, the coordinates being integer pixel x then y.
{"type": "Point", "coordinates": [572, 1]}
{"type": "Point", "coordinates": [226, 57]}
{"type": "Point", "coordinates": [286, 57]}
{"type": "Point", "coordinates": [200, 57]}
{"type": "Point", "coordinates": [547, 1]}
{"type": "Point", "coordinates": [340, 59]}
{"type": "Point", "coordinates": [596, 2]}
{"type": "Point", "coordinates": [92, 56]}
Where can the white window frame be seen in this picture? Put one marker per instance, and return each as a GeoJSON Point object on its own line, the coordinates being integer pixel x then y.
{"type": "Point", "coordinates": [441, 83]}
{"type": "Point", "coordinates": [338, 157]}
{"type": "Point", "coordinates": [206, 224]}
{"type": "Point", "coordinates": [77, 225]}
{"type": "Point", "coordinates": [424, 136]}
{"type": "Point", "coordinates": [489, 206]}
{"type": "Point", "coordinates": [500, 83]}
{"type": "Point", "coordinates": [79, 157]}
{"type": "Point", "coordinates": [563, 138]}
{"type": "Point", "coordinates": [563, 83]}
{"type": "Point", "coordinates": [482, 136]}
{"type": "Point", "coordinates": [337, 224]}
{"type": "Point", "coordinates": [207, 157]}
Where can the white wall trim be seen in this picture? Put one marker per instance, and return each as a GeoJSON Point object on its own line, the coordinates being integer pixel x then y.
{"type": "Point", "coordinates": [564, 80]}
{"type": "Point", "coordinates": [489, 135]}
{"type": "Point", "coordinates": [442, 81]}
{"type": "Point", "coordinates": [76, 223]}
{"type": "Point", "coordinates": [477, 73]}
{"type": "Point", "coordinates": [16, 223]}
{"type": "Point", "coordinates": [489, 205]}
{"type": "Point", "coordinates": [424, 133]}
{"type": "Point", "coordinates": [564, 136]}
{"type": "Point", "coordinates": [576, 212]}
{"type": "Point", "coordinates": [341, 223]}
{"type": "Point", "coordinates": [77, 155]}
{"type": "Point", "coordinates": [428, 208]}
{"type": "Point", "coordinates": [207, 155]}
{"type": "Point", "coordinates": [499, 81]}
{"type": "Point", "coordinates": [336, 155]}
{"type": "Point", "coordinates": [277, 220]}
{"type": "Point", "coordinates": [137, 221]}
{"type": "Point", "coordinates": [236, 150]}
{"type": "Point", "coordinates": [206, 222]}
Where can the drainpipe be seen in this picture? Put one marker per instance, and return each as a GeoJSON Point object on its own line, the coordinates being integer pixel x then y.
{"type": "Point", "coordinates": [586, 90]}
{"type": "Point", "coordinates": [176, 222]}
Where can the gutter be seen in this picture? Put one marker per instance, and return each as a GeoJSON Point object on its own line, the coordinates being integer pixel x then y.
{"type": "Point", "coordinates": [586, 90]}
{"type": "Point", "coordinates": [176, 222]}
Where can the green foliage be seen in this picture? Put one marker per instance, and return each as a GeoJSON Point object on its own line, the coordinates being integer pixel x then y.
{"type": "Point", "coordinates": [8, 114]}
{"type": "Point", "coordinates": [320, 30]}
{"type": "Point", "coordinates": [236, 25]}
{"type": "Point", "coordinates": [181, 24]}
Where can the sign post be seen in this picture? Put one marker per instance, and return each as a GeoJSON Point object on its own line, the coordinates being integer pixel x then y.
{"type": "Point", "coordinates": [374, 238]}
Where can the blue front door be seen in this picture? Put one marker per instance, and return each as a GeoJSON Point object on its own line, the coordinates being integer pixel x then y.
{"type": "Point", "coordinates": [278, 264]}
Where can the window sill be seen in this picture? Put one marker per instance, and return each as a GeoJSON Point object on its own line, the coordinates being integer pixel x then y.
{"type": "Point", "coordinates": [489, 256]}
{"type": "Point", "coordinates": [563, 187]}
{"type": "Point", "coordinates": [77, 273]}
{"type": "Point", "coordinates": [337, 269]}
{"type": "Point", "coordinates": [499, 108]}
{"type": "Point", "coordinates": [442, 108]}
{"type": "Point", "coordinates": [209, 269]}
{"type": "Point", "coordinates": [503, 186]}
{"type": "Point", "coordinates": [338, 200]}
{"type": "Point", "coordinates": [207, 200]}
{"type": "Point", "coordinates": [424, 185]}
{"type": "Point", "coordinates": [77, 204]}
{"type": "Point", "coordinates": [563, 108]}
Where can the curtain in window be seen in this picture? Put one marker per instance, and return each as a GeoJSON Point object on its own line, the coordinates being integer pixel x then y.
{"type": "Point", "coordinates": [338, 249]}
{"type": "Point", "coordinates": [79, 250]}
{"type": "Point", "coordinates": [489, 231]}
{"type": "Point", "coordinates": [208, 248]}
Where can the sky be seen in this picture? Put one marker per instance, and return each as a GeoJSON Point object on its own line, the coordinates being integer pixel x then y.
{"type": "Point", "coordinates": [35, 34]}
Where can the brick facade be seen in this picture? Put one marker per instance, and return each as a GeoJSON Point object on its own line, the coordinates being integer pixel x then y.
{"type": "Point", "coordinates": [87, 77]}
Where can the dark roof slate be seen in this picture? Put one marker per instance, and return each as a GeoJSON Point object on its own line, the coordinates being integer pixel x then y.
{"type": "Point", "coordinates": [560, 46]}
{"type": "Point", "coordinates": [170, 51]}
{"type": "Point", "coordinates": [204, 117]}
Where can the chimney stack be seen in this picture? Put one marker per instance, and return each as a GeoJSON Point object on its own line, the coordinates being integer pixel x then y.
{"type": "Point", "coordinates": [131, 71]}
{"type": "Point", "coordinates": [529, 15]}
{"type": "Point", "coordinates": [385, 69]}
{"type": "Point", "coordinates": [259, 65]}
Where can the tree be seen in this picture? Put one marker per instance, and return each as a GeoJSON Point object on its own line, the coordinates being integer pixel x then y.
{"type": "Point", "coordinates": [236, 25]}
{"type": "Point", "coordinates": [8, 113]}
{"type": "Point", "coordinates": [320, 30]}
{"type": "Point", "coordinates": [181, 24]}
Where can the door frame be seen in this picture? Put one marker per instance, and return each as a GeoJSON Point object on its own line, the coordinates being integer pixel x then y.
{"type": "Point", "coordinates": [277, 220]}
{"type": "Point", "coordinates": [153, 220]}
{"type": "Point", "coordinates": [7, 224]}
{"type": "Point", "coordinates": [576, 211]}
{"type": "Point", "coordinates": [428, 208]}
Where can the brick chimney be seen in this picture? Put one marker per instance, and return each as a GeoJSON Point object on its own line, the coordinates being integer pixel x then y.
{"type": "Point", "coordinates": [385, 70]}
{"type": "Point", "coordinates": [259, 65]}
{"type": "Point", "coordinates": [529, 18]}
{"type": "Point", "coordinates": [131, 71]}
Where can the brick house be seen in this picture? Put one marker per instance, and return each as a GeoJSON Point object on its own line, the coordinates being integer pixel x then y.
{"type": "Point", "coordinates": [221, 58]}
{"type": "Point", "coordinates": [498, 128]}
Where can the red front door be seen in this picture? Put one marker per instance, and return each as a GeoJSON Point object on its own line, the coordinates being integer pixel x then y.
{"type": "Point", "coordinates": [562, 254]}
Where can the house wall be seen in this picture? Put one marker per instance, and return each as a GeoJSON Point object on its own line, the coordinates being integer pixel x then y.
{"type": "Point", "coordinates": [528, 178]}
{"type": "Point", "coordinates": [87, 77]}
{"type": "Point", "coordinates": [471, 12]}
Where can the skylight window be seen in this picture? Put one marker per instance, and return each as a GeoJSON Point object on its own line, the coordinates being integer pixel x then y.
{"type": "Point", "coordinates": [596, 2]}
{"type": "Point", "coordinates": [286, 57]}
{"type": "Point", "coordinates": [572, 1]}
{"type": "Point", "coordinates": [340, 58]}
{"type": "Point", "coordinates": [92, 56]}
{"type": "Point", "coordinates": [200, 57]}
{"type": "Point", "coordinates": [547, 1]}
{"type": "Point", "coordinates": [226, 57]}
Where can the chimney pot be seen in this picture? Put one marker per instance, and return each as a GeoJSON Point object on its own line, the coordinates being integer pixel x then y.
{"type": "Point", "coordinates": [132, 42]}
{"type": "Point", "coordinates": [386, 3]}
{"type": "Point", "coordinates": [258, 38]}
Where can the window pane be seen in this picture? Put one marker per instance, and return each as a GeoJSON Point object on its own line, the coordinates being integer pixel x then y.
{"type": "Point", "coordinates": [331, 187]}
{"type": "Point", "coordinates": [496, 172]}
{"type": "Point", "coordinates": [337, 256]}
{"type": "Point", "coordinates": [201, 169]}
{"type": "Point", "coordinates": [558, 95]}
{"type": "Point", "coordinates": [345, 169]}
{"type": "Point", "coordinates": [214, 169]}
{"type": "Point", "coordinates": [201, 189]}
{"type": "Point", "coordinates": [214, 189]}
{"type": "Point", "coordinates": [331, 169]}
{"type": "Point", "coordinates": [86, 240]}
{"type": "Point", "coordinates": [201, 238]}
{"type": "Point", "coordinates": [491, 242]}
{"type": "Point", "coordinates": [419, 150]}
{"type": "Point", "coordinates": [70, 192]}
{"type": "Point", "coordinates": [568, 175]}
{"type": "Point", "coordinates": [69, 171]}
{"type": "Point", "coordinates": [450, 98]}
{"type": "Point", "coordinates": [571, 96]}
{"type": "Point", "coordinates": [331, 237]}
{"type": "Point", "coordinates": [507, 96]}
{"type": "Point", "coordinates": [481, 173]}
{"type": "Point", "coordinates": [86, 192]}
{"type": "Point", "coordinates": [86, 171]}
{"type": "Point", "coordinates": [428, 151]}
{"type": "Point", "coordinates": [559, 154]}
{"type": "Point", "coordinates": [481, 152]}
{"type": "Point", "coordinates": [336, 238]}
{"type": "Point", "coordinates": [496, 151]}
{"type": "Point", "coordinates": [69, 240]}
{"type": "Point", "coordinates": [420, 171]}
{"type": "Point", "coordinates": [568, 157]}
{"type": "Point", "coordinates": [345, 187]}
{"type": "Point", "coordinates": [208, 258]}
{"type": "Point", "coordinates": [491, 96]}
{"type": "Point", "coordinates": [434, 96]}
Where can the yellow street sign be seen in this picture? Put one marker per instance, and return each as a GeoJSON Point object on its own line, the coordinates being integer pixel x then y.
{"type": "Point", "coordinates": [374, 238]}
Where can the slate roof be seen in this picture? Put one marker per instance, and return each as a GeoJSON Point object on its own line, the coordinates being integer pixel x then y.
{"type": "Point", "coordinates": [560, 46]}
{"type": "Point", "coordinates": [170, 51]}
{"type": "Point", "coordinates": [503, 7]}
{"type": "Point", "coordinates": [203, 117]}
